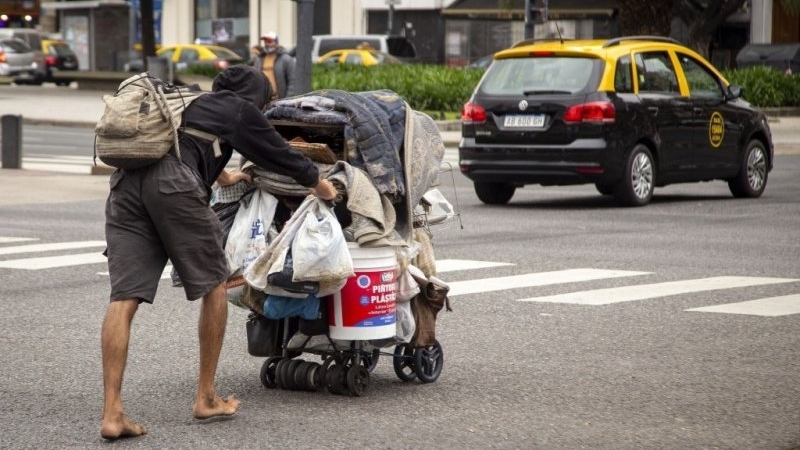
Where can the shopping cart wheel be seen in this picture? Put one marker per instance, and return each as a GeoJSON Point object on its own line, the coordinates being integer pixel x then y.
{"type": "Point", "coordinates": [268, 371]}
{"type": "Point", "coordinates": [290, 373]}
{"type": "Point", "coordinates": [336, 379]}
{"type": "Point", "coordinates": [428, 362]}
{"type": "Point", "coordinates": [320, 377]}
{"type": "Point", "coordinates": [403, 362]}
{"type": "Point", "coordinates": [357, 380]}
{"type": "Point", "coordinates": [370, 360]}
{"type": "Point", "coordinates": [280, 373]}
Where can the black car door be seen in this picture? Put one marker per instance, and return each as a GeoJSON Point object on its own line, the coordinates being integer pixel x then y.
{"type": "Point", "coordinates": [717, 124]}
{"type": "Point", "coordinates": [668, 110]}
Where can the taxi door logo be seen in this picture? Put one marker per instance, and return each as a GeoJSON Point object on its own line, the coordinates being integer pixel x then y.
{"type": "Point", "coordinates": [716, 129]}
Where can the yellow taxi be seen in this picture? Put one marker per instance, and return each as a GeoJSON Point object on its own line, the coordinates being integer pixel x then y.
{"type": "Point", "coordinates": [626, 114]}
{"type": "Point", "coordinates": [357, 57]}
{"type": "Point", "coordinates": [184, 55]}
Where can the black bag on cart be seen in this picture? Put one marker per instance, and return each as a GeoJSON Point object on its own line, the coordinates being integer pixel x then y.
{"type": "Point", "coordinates": [320, 324]}
{"type": "Point", "coordinates": [265, 336]}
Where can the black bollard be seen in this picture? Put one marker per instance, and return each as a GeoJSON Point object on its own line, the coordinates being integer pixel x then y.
{"type": "Point", "coordinates": [12, 141]}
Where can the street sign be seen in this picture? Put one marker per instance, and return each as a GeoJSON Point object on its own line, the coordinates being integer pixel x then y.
{"type": "Point", "coordinates": [393, 2]}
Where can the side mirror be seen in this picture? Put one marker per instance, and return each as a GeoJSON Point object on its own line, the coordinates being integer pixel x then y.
{"type": "Point", "coordinates": [734, 92]}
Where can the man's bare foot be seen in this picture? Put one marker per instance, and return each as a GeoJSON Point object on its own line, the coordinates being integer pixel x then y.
{"type": "Point", "coordinates": [120, 428]}
{"type": "Point", "coordinates": [217, 407]}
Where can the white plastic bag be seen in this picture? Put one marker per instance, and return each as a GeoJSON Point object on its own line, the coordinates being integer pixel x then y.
{"type": "Point", "coordinates": [319, 251]}
{"type": "Point", "coordinates": [248, 236]}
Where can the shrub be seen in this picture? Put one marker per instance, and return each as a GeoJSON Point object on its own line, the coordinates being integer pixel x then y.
{"type": "Point", "coordinates": [424, 86]}
{"type": "Point", "coordinates": [766, 87]}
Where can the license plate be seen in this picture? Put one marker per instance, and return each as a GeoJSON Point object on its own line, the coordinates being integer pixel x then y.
{"type": "Point", "coordinates": [524, 121]}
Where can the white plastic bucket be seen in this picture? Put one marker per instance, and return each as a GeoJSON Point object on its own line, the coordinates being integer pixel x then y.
{"type": "Point", "coordinates": [365, 307]}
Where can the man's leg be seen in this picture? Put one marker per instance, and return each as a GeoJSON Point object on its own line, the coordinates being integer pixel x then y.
{"type": "Point", "coordinates": [211, 330]}
{"type": "Point", "coordinates": [114, 340]}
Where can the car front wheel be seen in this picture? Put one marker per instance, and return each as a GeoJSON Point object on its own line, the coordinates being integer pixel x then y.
{"type": "Point", "coordinates": [752, 177]}
{"type": "Point", "coordinates": [494, 193]}
{"type": "Point", "coordinates": [638, 179]}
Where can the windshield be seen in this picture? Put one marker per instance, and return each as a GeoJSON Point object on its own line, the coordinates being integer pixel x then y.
{"type": "Point", "coordinates": [539, 75]}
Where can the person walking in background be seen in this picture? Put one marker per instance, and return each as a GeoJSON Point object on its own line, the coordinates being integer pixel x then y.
{"type": "Point", "coordinates": [160, 212]}
{"type": "Point", "coordinates": [276, 63]}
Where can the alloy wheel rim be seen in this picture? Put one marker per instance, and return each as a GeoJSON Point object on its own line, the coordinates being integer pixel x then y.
{"type": "Point", "coordinates": [756, 169]}
{"type": "Point", "coordinates": [642, 176]}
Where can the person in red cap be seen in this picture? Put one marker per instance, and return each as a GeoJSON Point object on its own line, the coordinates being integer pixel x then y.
{"type": "Point", "coordinates": [276, 63]}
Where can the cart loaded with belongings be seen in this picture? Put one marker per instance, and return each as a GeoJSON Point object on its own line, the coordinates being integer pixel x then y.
{"type": "Point", "coordinates": [343, 280]}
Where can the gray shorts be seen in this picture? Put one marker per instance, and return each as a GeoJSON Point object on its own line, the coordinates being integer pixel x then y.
{"type": "Point", "coordinates": [161, 213]}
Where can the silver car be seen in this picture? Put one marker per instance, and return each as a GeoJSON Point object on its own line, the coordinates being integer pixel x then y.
{"type": "Point", "coordinates": [17, 61]}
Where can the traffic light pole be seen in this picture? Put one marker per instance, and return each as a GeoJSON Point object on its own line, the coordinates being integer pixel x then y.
{"type": "Point", "coordinates": [305, 29]}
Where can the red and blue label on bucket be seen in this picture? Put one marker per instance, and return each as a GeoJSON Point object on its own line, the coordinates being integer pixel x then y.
{"type": "Point", "coordinates": [368, 299]}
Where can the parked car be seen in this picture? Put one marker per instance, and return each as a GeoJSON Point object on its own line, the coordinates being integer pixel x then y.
{"type": "Point", "coordinates": [626, 114]}
{"type": "Point", "coordinates": [33, 38]}
{"type": "Point", "coordinates": [17, 61]}
{"type": "Point", "coordinates": [398, 46]}
{"type": "Point", "coordinates": [184, 55]}
{"type": "Point", "coordinates": [58, 57]}
{"type": "Point", "coordinates": [357, 57]}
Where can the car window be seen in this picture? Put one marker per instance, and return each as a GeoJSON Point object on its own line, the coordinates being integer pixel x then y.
{"type": "Point", "coordinates": [353, 58]}
{"type": "Point", "coordinates": [544, 74]}
{"type": "Point", "coordinates": [188, 55]}
{"type": "Point", "coordinates": [623, 78]}
{"type": "Point", "coordinates": [61, 49]}
{"type": "Point", "coordinates": [167, 54]}
{"type": "Point", "coordinates": [224, 53]}
{"type": "Point", "coordinates": [15, 46]}
{"type": "Point", "coordinates": [326, 45]}
{"type": "Point", "coordinates": [655, 72]}
{"type": "Point", "coordinates": [701, 81]}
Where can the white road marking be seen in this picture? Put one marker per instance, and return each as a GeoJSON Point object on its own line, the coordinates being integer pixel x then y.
{"type": "Point", "coordinates": [646, 291]}
{"type": "Point", "coordinates": [50, 262]}
{"type": "Point", "coordinates": [50, 247]}
{"type": "Point", "coordinates": [769, 307]}
{"type": "Point", "coordinates": [166, 274]}
{"type": "Point", "coordinates": [452, 265]}
{"type": "Point", "coordinates": [535, 279]}
{"type": "Point", "coordinates": [8, 240]}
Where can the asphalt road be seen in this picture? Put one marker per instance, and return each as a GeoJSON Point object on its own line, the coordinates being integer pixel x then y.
{"type": "Point", "coordinates": [597, 327]}
{"type": "Point", "coordinates": [576, 324]}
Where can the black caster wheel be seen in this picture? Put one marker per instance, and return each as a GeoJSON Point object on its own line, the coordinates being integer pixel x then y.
{"type": "Point", "coordinates": [370, 360]}
{"type": "Point", "coordinates": [357, 380]}
{"type": "Point", "coordinates": [290, 373]}
{"type": "Point", "coordinates": [320, 378]}
{"type": "Point", "coordinates": [268, 371]}
{"type": "Point", "coordinates": [280, 373]}
{"type": "Point", "coordinates": [311, 376]}
{"type": "Point", "coordinates": [336, 379]}
{"type": "Point", "coordinates": [403, 362]}
{"type": "Point", "coordinates": [428, 362]}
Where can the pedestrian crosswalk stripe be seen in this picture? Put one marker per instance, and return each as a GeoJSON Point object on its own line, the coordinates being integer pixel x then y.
{"type": "Point", "coordinates": [50, 262]}
{"type": "Point", "coordinates": [452, 265]}
{"type": "Point", "coordinates": [647, 291]}
{"type": "Point", "coordinates": [535, 279]}
{"type": "Point", "coordinates": [8, 240]}
{"type": "Point", "coordinates": [32, 248]}
{"type": "Point", "coordinates": [769, 307]}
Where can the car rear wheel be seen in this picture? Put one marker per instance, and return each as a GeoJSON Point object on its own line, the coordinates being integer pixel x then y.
{"type": "Point", "coordinates": [638, 179]}
{"type": "Point", "coordinates": [494, 193]}
{"type": "Point", "coordinates": [752, 177]}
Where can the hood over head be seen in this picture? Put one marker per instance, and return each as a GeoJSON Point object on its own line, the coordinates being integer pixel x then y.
{"type": "Point", "coordinates": [245, 81]}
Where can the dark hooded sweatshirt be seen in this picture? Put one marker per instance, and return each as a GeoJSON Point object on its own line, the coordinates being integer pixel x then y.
{"type": "Point", "coordinates": [233, 113]}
